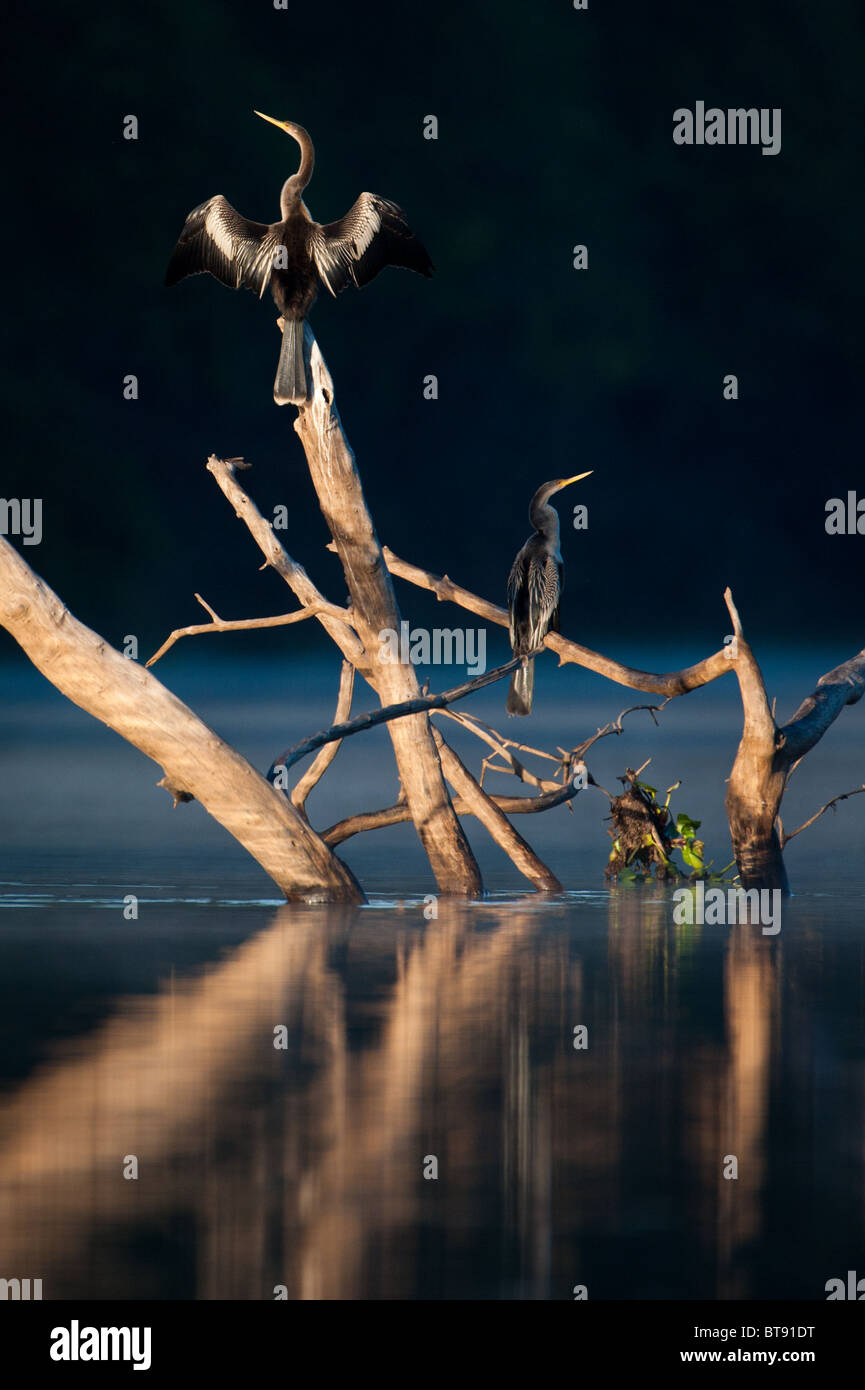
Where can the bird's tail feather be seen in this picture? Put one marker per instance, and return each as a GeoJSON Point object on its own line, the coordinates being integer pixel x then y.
{"type": "Point", "coordinates": [522, 686]}
{"type": "Point", "coordinates": [290, 385]}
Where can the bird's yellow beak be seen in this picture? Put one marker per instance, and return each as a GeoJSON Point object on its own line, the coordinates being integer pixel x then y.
{"type": "Point", "coordinates": [283, 125]}
{"type": "Point", "coordinates": [566, 482]}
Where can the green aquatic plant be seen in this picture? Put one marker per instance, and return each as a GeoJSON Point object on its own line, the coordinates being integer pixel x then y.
{"type": "Point", "coordinates": [646, 835]}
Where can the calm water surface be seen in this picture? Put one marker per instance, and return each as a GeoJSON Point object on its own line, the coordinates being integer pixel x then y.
{"type": "Point", "coordinates": [407, 1039]}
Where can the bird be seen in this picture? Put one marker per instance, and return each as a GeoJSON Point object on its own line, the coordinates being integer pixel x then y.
{"type": "Point", "coordinates": [295, 256]}
{"type": "Point", "coordinates": [534, 590]}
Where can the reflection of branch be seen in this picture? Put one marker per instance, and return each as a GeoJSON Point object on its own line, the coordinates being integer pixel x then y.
{"type": "Point", "coordinates": [319, 765]}
{"type": "Point", "coordinates": [785, 839]}
{"type": "Point", "coordinates": [218, 624]}
{"type": "Point", "coordinates": [395, 815]}
{"type": "Point", "coordinates": [388, 712]}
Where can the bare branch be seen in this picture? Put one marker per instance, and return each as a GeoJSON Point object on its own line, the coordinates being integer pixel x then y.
{"type": "Point", "coordinates": [279, 559]}
{"type": "Point", "coordinates": [218, 624]}
{"type": "Point", "coordinates": [830, 805]}
{"type": "Point", "coordinates": [318, 767]}
{"type": "Point", "coordinates": [500, 746]}
{"type": "Point", "coordinates": [845, 685]}
{"type": "Point", "coordinates": [495, 821]}
{"type": "Point", "coordinates": [734, 612]}
{"type": "Point", "coordinates": [759, 729]}
{"type": "Point", "coordinates": [670, 684]}
{"type": "Point", "coordinates": [396, 815]}
{"type": "Point", "coordinates": [615, 726]}
{"type": "Point", "coordinates": [419, 705]}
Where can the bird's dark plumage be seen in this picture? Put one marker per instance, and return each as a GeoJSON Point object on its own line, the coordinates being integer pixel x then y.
{"type": "Point", "coordinates": [534, 592]}
{"type": "Point", "coordinates": [218, 240]}
{"type": "Point", "coordinates": [294, 256]}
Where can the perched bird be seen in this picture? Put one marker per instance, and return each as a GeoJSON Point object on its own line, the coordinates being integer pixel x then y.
{"type": "Point", "coordinates": [295, 255]}
{"type": "Point", "coordinates": [534, 590]}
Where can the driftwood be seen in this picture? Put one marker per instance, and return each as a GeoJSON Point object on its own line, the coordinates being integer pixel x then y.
{"type": "Point", "coordinates": [419, 705]}
{"type": "Point", "coordinates": [195, 761]}
{"type": "Point", "coordinates": [671, 683]}
{"type": "Point", "coordinates": [340, 496]}
{"type": "Point", "coordinates": [767, 754]}
{"type": "Point", "coordinates": [494, 819]}
{"type": "Point", "coordinates": [319, 765]}
{"type": "Point", "coordinates": [278, 558]}
{"type": "Point", "coordinates": [218, 624]}
{"type": "Point", "coordinates": [399, 814]}
{"type": "Point", "coordinates": [274, 828]}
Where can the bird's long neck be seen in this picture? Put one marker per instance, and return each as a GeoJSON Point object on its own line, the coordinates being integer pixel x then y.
{"type": "Point", "coordinates": [294, 186]}
{"type": "Point", "coordinates": [545, 518]}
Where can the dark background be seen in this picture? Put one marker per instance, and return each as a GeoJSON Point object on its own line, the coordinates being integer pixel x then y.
{"type": "Point", "coordinates": [555, 128]}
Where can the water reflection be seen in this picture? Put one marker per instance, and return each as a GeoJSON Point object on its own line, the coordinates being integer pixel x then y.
{"type": "Point", "coordinates": [453, 1038]}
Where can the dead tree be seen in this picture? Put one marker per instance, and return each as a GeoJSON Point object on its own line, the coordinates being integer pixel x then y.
{"type": "Point", "coordinates": [767, 753]}
{"type": "Point", "coordinates": [273, 827]}
{"type": "Point", "coordinates": [195, 761]}
{"type": "Point", "coordinates": [340, 495]}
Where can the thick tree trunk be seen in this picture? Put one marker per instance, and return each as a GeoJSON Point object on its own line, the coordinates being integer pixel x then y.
{"type": "Point", "coordinates": [752, 803]}
{"type": "Point", "coordinates": [767, 755]}
{"type": "Point", "coordinates": [374, 609]}
{"type": "Point", "coordinates": [194, 759]}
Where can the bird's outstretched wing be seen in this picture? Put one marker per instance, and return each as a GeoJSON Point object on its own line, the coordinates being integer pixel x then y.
{"type": "Point", "coordinates": [373, 234]}
{"type": "Point", "coordinates": [216, 239]}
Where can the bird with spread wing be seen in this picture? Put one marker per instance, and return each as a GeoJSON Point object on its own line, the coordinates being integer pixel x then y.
{"type": "Point", "coordinates": [296, 255]}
